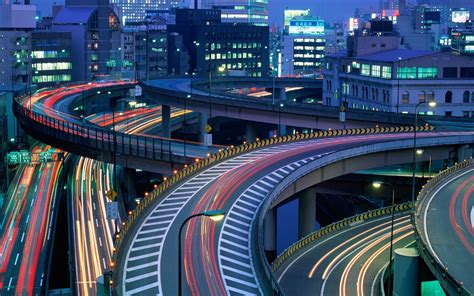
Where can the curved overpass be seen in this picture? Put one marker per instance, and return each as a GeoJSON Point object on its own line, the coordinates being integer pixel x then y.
{"type": "Point", "coordinates": [346, 258]}
{"type": "Point", "coordinates": [178, 92]}
{"type": "Point", "coordinates": [228, 258]}
{"type": "Point", "coordinates": [48, 117]}
{"type": "Point", "coordinates": [445, 227]}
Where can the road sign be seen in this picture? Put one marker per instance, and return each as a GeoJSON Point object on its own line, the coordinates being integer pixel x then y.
{"type": "Point", "coordinates": [342, 116]}
{"type": "Point", "coordinates": [111, 210]}
{"type": "Point", "coordinates": [136, 92]}
{"type": "Point", "coordinates": [342, 108]}
{"type": "Point", "coordinates": [111, 194]}
{"type": "Point", "coordinates": [208, 139]}
{"type": "Point", "coordinates": [19, 157]}
{"type": "Point", "coordinates": [208, 128]}
{"type": "Point", "coordinates": [26, 157]}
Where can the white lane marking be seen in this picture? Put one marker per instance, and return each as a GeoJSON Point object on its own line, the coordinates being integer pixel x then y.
{"type": "Point", "coordinates": [22, 237]}
{"type": "Point", "coordinates": [234, 253]}
{"type": "Point", "coordinates": [32, 201]}
{"type": "Point", "coordinates": [472, 216]}
{"type": "Point", "coordinates": [9, 283]}
{"type": "Point", "coordinates": [143, 256]}
{"type": "Point", "coordinates": [96, 223]}
{"type": "Point", "coordinates": [239, 291]}
{"type": "Point", "coordinates": [36, 188]}
{"type": "Point", "coordinates": [141, 266]}
{"type": "Point", "coordinates": [93, 204]}
{"type": "Point", "coordinates": [139, 277]}
{"type": "Point", "coordinates": [242, 247]}
{"type": "Point", "coordinates": [100, 241]}
{"type": "Point", "coordinates": [27, 218]}
{"type": "Point", "coordinates": [16, 259]}
{"type": "Point", "coordinates": [103, 262]}
{"type": "Point", "coordinates": [425, 215]}
{"type": "Point", "coordinates": [148, 238]}
{"type": "Point", "coordinates": [238, 221]}
{"type": "Point", "coordinates": [146, 247]}
{"type": "Point", "coordinates": [246, 265]}
{"type": "Point", "coordinates": [142, 288]}
{"type": "Point", "coordinates": [244, 273]}
{"type": "Point", "coordinates": [244, 283]}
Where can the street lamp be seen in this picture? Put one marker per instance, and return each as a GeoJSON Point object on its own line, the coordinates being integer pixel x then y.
{"type": "Point", "coordinates": [377, 185]}
{"type": "Point", "coordinates": [215, 216]}
{"type": "Point", "coordinates": [431, 104]}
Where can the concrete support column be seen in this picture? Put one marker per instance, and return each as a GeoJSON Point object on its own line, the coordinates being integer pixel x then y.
{"type": "Point", "coordinates": [280, 94]}
{"type": "Point", "coordinates": [306, 212]}
{"type": "Point", "coordinates": [165, 122]}
{"type": "Point", "coordinates": [203, 119]}
{"type": "Point", "coordinates": [463, 152]}
{"type": "Point", "coordinates": [270, 233]}
{"type": "Point", "coordinates": [405, 272]}
{"type": "Point", "coordinates": [251, 132]}
{"type": "Point", "coordinates": [130, 191]}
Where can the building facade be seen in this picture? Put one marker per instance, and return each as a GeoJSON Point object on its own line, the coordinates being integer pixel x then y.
{"type": "Point", "coordinates": [95, 32]}
{"type": "Point", "coordinates": [304, 47]}
{"type": "Point", "coordinates": [221, 48]}
{"type": "Point", "coordinates": [51, 61]}
{"type": "Point", "coordinates": [135, 10]}
{"type": "Point", "coordinates": [397, 80]}
{"type": "Point", "coordinates": [240, 11]}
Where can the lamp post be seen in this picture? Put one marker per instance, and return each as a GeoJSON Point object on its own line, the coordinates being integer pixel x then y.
{"type": "Point", "coordinates": [215, 216]}
{"type": "Point", "coordinates": [377, 185]}
{"type": "Point", "coordinates": [398, 85]}
{"type": "Point", "coordinates": [431, 104]}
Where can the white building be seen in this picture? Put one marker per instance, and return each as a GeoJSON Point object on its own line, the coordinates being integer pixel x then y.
{"type": "Point", "coordinates": [303, 47]}
{"type": "Point", "coordinates": [397, 80]}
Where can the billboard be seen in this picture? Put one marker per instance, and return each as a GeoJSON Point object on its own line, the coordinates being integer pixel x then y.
{"type": "Point", "coordinates": [460, 16]}
{"type": "Point", "coordinates": [292, 13]}
{"type": "Point", "coordinates": [306, 27]}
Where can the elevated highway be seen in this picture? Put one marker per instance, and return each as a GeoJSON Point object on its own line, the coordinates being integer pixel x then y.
{"type": "Point", "coordinates": [445, 227]}
{"type": "Point", "coordinates": [348, 257]}
{"type": "Point", "coordinates": [245, 182]}
{"type": "Point", "coordinates": [48, 117]}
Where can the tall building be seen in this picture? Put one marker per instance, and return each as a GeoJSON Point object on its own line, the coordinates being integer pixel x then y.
{"type": "Point", "coordinates": [303, 47]}
{"type": "Point", "coordinates": [95, 31]}
{"type": "Point", "coordinates": [240, 11]}
{"type": "Point", "coordinates": [135, 10]}
{"type": "Point", "coordinates": [220, 48]}
{"type": "Point", "coordinates": [51, 58]}
{"type": "Point", "coordinates": [16, 23]}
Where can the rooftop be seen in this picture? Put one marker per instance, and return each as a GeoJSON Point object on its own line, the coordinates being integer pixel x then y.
{"type": "Point", "coordinates": [74, 15]}
{"type": "Point", "coordinates": [395, 55]}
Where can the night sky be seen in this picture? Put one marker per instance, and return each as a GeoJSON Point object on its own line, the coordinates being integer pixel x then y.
{"type": "Point", "coordinates": [328, 10]}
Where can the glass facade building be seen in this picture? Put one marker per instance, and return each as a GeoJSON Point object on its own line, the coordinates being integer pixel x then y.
{"type": "Point", "coordinates": [135, 10]}
{"type": "Point", "coordinates": [240, 11]}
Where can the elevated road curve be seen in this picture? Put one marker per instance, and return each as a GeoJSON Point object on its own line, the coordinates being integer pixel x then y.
{"type": "Point", "coordinates": [346, 258]}
{"type": "Point", "coordinates": [226, 258]}
{"type": "Point", "coordinates": [445, 224]}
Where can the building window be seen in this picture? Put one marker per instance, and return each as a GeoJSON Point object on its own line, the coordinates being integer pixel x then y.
{"type": "Point", "coordinates": [467, 72]}
{"type": "Point", "coordinates": [448, 113]}
{"type": "Point", "coordinates": [405, 98]}
{"type": "Point", "coordinates": [387, 72]}
{"type": "Point", "coordinates": [406, 73]}
{"type": "Point", "coordinates": [422, 96]}
{"type": "Point", "coordinates": [365, 71]}
{"type": "Point", "coordinates": [430, 72]}
{"type": "Point", "coordinates": [430, 96]}
{"type": "Point", "coordinates": [466, 97]}
{"type": "Point", "coordinates": [448, 97]}
{"type": "Point", "coordinates": [450, 72]}
{"type": "Point", "coordinates": [375, 71]}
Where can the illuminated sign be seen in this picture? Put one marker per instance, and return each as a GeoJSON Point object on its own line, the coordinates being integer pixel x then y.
{"type": "Point", "coordinates": [292, 13]}
{"type": "Point", "coordinates": [353, 24]}
{"type": "Point", "coordinates": [460, 16]}
{"type": "Point", "coordinates": [306, 27]}
{"type": "Point", "coordinates": [26, 157]}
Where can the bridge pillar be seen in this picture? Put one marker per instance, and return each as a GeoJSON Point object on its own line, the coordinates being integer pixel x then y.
{"type": "Point", "coordinates": [165, 123]}
{"type": "Point", "coordinates": [464, 152]}
{"type": "Point", "coordinates": [270, 233]}
{"type": "Point", "coordinates": [129, 183]}
{"type": "Point", "coordinates": [306, 212]}
{"type": "Point", "coordinates": [405, 272]}
{"type": "Point", "coordinates": [203, 120]}
{"type": "Point", "coordinates": [251, 132]}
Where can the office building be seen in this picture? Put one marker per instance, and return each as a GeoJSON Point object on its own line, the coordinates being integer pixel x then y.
{"type": "Point", "coordinates": [304, 47]}
{"type": "Point", "coordinates": [16, 23]}
{"type": "Point", "coordinates": [51, 61]}
{"type": "Point", "coordinates": [240, 11]}
{"type": "Point", "coordinates": [397, 80]}
{"type": "Point", "coordinates": [135, 10]}
{"type": "Point", "coordinates": [220, 48]}
{"type": "Point", "coordinates": [95, 33]}
{"type": "Point", "coordinates": [462, 41]}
